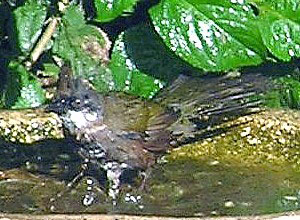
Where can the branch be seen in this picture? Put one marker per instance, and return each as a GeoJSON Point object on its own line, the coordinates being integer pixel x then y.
{"type": "Point", "coordinates": [46, 37]}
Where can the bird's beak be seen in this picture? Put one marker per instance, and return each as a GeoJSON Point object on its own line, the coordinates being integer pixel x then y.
{"type": "Point", "coordinates": [56, 107]}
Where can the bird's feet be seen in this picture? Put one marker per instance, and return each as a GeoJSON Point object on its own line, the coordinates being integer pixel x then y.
{"type": "Point", "coordinates": [86, 176]}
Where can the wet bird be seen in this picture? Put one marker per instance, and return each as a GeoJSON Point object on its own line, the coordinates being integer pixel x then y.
{"type": "Point", "coordinates": [119, 132]}
{"type": "Point", "coordinates": [116, 132]}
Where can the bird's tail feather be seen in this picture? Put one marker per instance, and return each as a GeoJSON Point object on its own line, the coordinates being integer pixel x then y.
{"type": "Point", "coordinates": [204, 103]}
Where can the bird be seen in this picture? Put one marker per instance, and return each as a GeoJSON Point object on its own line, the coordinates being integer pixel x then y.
{"type": "Point", "coordinates": [118, 132]}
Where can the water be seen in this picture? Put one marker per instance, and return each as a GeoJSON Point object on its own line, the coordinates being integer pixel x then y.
{"type": "Point", "coordinates": [193, 188]}
{"type": "Point", "coordinates": [227, 174]}
{"type": "Point", "coordinates": [177, 188]}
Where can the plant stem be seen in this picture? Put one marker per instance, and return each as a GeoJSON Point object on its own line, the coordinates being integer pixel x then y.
{"type": "Point", "coordinates": [38, 50]}
{"type": "Point", "coordinates": [46, 37]}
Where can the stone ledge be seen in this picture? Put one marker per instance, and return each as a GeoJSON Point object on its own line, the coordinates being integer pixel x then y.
{"type": "Point", "coordinates": [281, 216]}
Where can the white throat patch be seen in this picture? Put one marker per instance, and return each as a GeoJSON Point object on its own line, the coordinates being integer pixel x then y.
{"type": "Point", "coordinates": [78, 118]}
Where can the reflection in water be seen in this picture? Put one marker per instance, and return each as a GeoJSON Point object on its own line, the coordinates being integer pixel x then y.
{"type": "Point", "coordinates": [32, 176]}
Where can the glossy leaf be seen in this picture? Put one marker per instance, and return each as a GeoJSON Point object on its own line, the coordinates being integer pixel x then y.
{"type": "Point", "coordinates": [23, 90]}
{"type": "Point", "coordinates": [29, 20]}
{"type": "Point", "coordinates": [108, 10]}
{"type": "Point", "coordinates": [279, 24]}
{"type": "Point", "coordinates": [214, 35]}
{"type": "Point", "coordinates": [50, 69]}
{"type": "Point", "coordinates": [289, 89]}
{"type": "Point", "coordinates": [85, 48]}
{"type": "Point", "coordinates": [128, 77]}
{"type": "Point", "coordinates": [142, 64]}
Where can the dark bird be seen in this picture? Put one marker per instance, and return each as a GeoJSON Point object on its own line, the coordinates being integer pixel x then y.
{"type": "Point", "coordinates": [119, 132]}
{"type": "Point", "coordinates": [116, 132]}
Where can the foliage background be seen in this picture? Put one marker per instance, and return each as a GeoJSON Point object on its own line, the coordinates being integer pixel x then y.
{"type": "Point", "coordinates": [139, 47]}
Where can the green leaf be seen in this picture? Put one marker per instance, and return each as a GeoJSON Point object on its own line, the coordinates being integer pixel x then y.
{"type": "Point", "coordinates": [289, 89]}
{"type": "Point", "coordinates": [214, 35]}
{"type": "Point", "coordinates": [272, 99]}
{"type": "Point", "coordinates": [108, 10]}
{"type": "Point", "coordinates": [29, 20]}
{"type": "Point", "coordinates": [286, 90]}
{"type": "Point", "coordinates": [142, 64]}
{"type": "Point", "coordinates": [127, 76]}
{"type": "Point", "coordinates": [86, 48]}
{"type": "Point", "coordinates": [23, 89]}
{"type": "Point", "coordinates": [279, 25]}
{"type": "Point", "coordinates": [50, 70]}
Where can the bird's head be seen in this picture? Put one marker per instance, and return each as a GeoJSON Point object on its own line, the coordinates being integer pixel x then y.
{"type": "Point", "coordinates": [76, 103]}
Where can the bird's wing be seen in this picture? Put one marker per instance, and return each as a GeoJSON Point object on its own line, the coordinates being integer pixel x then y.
{"type": "Point", "coordinates": [209, 101]}
{"type": "Point", "coordinates": [130, 113]}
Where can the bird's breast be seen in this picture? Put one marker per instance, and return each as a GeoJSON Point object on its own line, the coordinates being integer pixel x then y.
{"type": "Point", "coordinates": [118, 147]}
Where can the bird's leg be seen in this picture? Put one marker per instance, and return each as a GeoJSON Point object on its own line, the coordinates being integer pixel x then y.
{"type": "Point", "coordinates": [70, 185]}
{"type": "Point", "coordinates": [113, 172]}
{"type": "Point", "coordinates": [93, 183]}
{"type": "Point", "coordinates": [79, 176]}
{"type": "Point", "coordinates": [90, 196]}
{"type": "Point", "coordinates": [92, 155]}
{"type": "Point", "coordinates": [135, 197]}
{"type": "Point", "coordinates": [145, 175]}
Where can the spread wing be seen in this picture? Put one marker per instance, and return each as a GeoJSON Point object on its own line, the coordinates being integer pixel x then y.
{"type": "Point", "coordinates": [147, 119]}
{"type": "Point", "coordinates": [209, 101]}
